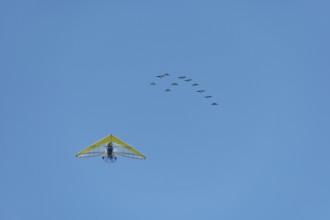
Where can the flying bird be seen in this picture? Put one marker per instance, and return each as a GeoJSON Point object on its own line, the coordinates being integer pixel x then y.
{"type": "Point", "coordinates": [172, 80]}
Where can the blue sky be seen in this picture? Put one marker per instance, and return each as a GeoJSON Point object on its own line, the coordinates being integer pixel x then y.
{"type": "Point", "coordinates": [72, 72]}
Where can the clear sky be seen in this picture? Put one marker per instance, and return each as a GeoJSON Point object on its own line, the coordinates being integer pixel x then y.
{"type": "Point", "coordinates": [72, 72]}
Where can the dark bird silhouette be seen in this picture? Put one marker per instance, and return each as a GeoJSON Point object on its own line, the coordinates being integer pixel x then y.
{"type": "Point", "coordinates": [195, 84]}
{"type": "Point", "coordinates": [167, 90]}
{"type": "Point", "coordinates": [200, 91]}
{"type": "Point", "coordinates": [181, 77]}
{"type": "Point", "coordinates": [214, 103]}
{"type": "Point", "coordinates": [188, 80]}
{"type": "Point", "coordinates": [153, 83]}
{"type": "Point", "coordinates": [208, 96]}
{"type": "Point", "coordinates": [174, 84]}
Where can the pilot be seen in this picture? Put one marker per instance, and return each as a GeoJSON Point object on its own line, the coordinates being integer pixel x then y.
{"type": "Point", "coordinates": [109, 150]}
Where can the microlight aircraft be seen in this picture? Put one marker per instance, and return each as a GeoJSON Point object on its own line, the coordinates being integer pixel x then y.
{"type": "Point", "coordinates": [109, 148]}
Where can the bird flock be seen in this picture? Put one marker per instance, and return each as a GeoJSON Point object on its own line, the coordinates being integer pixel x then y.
{"type": "Point", "coordinates": [178, 81]}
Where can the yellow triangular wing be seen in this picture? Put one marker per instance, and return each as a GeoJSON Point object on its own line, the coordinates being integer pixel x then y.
{"type": "Point", "coordinates": [131, 151]}
{"type": "Point", "coordinates": [120, 148]}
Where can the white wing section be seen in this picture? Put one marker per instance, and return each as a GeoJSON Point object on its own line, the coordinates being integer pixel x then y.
{"type": "Point", "coordinates": [122, 151]}
{"type": "Point", "coordinates": [98, 151]}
